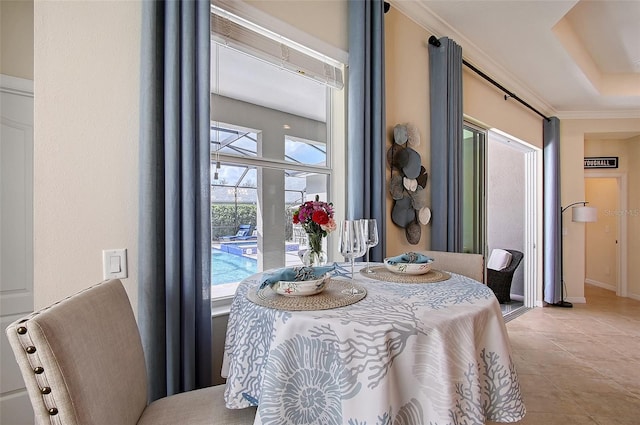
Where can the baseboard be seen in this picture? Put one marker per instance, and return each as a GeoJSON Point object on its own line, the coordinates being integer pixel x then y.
{"type": "Point", "coordinates": [576, 300]}
{"type": "Point", "coordinates": [610, 288]}
{"type": "Point", "coordinates": [600, 284]}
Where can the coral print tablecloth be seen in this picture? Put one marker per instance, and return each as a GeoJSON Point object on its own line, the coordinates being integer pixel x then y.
{"type": "Point", "coordinates": [406, 354]}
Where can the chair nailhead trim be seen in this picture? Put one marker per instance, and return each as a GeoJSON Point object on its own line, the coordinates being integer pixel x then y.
{"type": "Point", "coordinates": [36, 365]}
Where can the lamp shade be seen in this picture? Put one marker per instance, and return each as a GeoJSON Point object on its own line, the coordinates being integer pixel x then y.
{"type": "Point", "coordinates": [584, 214]}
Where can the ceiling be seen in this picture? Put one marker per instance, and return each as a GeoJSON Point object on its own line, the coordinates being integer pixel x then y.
{"type": "Point", "coordinates": [567, 58]}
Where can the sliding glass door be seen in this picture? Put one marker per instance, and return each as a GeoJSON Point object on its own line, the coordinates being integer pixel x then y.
{"type": "Point", "coordinates": [474, 142]}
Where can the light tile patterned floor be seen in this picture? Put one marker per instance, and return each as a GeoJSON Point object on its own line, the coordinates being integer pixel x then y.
{"type": "Point", "coordinates": [580, 365]}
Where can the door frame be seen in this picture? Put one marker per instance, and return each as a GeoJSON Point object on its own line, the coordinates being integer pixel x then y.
{"type": "Point", "coordinates": [16, 290]}
{"type": "Point", "coordinates": [621, 250]}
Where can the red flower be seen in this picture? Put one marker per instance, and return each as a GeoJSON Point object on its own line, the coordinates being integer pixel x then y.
{"type": "Point", "coordinates": [320, 217]}
{"type": "Point", "coordinates": [296, 220]}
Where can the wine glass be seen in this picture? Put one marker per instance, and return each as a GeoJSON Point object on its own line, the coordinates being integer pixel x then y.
{"type": "Point", "coordinates": [352, 243]}
{"type": "Point", "coordinates": [370, 234]}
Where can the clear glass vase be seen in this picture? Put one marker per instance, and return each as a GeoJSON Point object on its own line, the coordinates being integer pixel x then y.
{"type": "Point", "coordinates": [314, 255]}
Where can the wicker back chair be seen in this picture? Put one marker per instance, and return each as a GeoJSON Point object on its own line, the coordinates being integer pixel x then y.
{"type": "Point", "coordinates": [500, 280]}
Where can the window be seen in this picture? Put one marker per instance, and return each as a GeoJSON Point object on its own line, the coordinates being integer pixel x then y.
{"type": "Point", "coordinates": [271, 145]}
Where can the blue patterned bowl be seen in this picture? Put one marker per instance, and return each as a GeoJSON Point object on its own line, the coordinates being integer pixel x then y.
{"type": "Point", "coordinates": [409, 268]}
{"type": "Point", "coordinates": [301, 288]}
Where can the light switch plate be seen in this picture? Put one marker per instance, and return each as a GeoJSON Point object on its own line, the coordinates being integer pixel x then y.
{"type": "Point", "coordinates": [114, 264]}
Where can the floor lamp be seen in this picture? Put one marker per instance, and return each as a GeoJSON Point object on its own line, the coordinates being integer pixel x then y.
{"type": "Point", "coordinates": [582, 214]}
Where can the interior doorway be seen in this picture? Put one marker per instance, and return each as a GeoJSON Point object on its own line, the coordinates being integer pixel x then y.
{"type": "Point", "coordinates": [605, 239]}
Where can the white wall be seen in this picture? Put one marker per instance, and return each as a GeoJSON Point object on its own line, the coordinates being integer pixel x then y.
{"type": "Point", "coordinates": [86, 71]}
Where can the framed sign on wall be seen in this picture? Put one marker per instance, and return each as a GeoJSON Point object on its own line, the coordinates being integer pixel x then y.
{"type": "Point", "coordinates": [601, 162]}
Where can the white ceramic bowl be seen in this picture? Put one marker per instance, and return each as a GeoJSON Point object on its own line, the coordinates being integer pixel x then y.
{"type": "Point", "coordinates": [301, 288]}
{"type": "Point", "coordinates": [409, 268]}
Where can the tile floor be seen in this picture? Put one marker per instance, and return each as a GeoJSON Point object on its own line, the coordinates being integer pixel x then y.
{"type": "Point", "coordinates": [580, 365]}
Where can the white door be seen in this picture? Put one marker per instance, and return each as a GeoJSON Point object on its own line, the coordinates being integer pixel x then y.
{"type": "Point", "coordinates": [16, 237]}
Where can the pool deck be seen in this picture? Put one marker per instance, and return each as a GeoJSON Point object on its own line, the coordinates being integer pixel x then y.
{"type": "Point", "coordinates": [291, 254]}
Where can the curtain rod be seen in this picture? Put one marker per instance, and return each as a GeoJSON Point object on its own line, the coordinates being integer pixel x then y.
{"type": "Point", "coordinates": [435, 42]}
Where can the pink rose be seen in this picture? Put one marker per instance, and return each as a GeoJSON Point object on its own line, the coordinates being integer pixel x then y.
{"type": "Point", "coordinates": [330, 226]}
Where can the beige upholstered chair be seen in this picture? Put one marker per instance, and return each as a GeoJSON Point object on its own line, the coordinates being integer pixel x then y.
{"type": "Point", "coordinates": [470, 265]}
{"type": "Point", "coordinates": [83, 364]}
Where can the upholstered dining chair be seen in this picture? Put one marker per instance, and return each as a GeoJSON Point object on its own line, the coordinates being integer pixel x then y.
{"type": "Point", "coordinates": [500, 280]}
{"type": "Point", "coordinates": [83, 364]}
{"type": "Point", "coordinates": [470, 265]}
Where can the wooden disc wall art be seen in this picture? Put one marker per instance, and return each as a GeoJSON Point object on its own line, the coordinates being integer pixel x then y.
{"type": "Point", "coordinates": [408, 182]}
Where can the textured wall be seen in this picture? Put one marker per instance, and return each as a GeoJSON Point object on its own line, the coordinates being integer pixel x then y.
{"type": "Point", "coordinates": [86, 71]}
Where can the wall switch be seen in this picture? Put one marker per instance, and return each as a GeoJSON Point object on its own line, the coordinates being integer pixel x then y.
{"type": "Point", "coordinates": [114, 264]}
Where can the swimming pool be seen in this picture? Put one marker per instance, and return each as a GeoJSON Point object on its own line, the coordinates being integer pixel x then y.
{"type": "Point", "coordinates": [227, 268]}
{"type": "Point", "coordinates": [251, 248]}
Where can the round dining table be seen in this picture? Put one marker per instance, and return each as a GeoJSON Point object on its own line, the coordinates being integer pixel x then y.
{"type": "Point", "coordinates": [406, 350]}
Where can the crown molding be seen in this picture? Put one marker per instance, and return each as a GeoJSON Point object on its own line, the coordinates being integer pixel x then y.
{"type": "Point", "coordinates": [427, 19]}
{"type": "Point", "coordinates": [593, 115]}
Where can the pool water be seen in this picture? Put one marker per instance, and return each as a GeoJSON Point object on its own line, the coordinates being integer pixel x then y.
{"type": "Point", "coordinates": [227, 268]}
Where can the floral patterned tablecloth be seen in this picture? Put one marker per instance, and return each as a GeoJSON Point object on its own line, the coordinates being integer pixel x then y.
{"type": "Point", "coordinates": [407, 354]}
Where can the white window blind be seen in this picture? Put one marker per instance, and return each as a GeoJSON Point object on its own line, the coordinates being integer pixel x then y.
{"type": "Point", "coordinates": [230, 30]}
